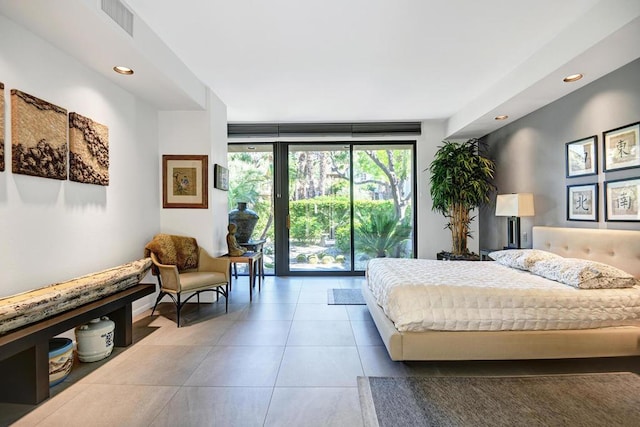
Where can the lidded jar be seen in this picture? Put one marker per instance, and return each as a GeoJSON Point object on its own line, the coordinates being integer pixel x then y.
{"type": "Point", "coordinates": [245, 219]}
{"type": "Point", "coordinates": [95, 339]}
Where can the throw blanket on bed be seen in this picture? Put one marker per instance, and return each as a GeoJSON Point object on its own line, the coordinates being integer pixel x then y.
{"type": "Point", "coordinates": [180, 251]}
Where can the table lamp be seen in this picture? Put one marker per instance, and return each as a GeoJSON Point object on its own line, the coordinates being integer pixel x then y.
{"type": "Point", "coordinates": [514, 206]}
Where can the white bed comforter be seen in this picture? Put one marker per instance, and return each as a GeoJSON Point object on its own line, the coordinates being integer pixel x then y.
{"type": "Point", "coordinates": [420, 295]}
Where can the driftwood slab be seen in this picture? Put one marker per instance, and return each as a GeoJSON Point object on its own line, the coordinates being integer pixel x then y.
{"type": "Point", "coordinates": [32, 306]}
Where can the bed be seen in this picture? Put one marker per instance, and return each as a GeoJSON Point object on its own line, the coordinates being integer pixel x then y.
{"type": "Point", "coordinates": [502, 341]}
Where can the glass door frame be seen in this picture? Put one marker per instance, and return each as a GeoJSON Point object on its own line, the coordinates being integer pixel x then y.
{"type": "Point", "coordinates": [281, 203]}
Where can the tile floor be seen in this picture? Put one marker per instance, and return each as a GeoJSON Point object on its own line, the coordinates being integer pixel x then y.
{"type": "Point", "coordinates": [287, 359]}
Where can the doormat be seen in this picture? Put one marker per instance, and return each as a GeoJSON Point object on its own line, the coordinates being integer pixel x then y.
{"type": "Point", "coordinates": [345, 297]}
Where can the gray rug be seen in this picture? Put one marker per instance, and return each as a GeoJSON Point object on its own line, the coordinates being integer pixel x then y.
{"type": "Point", "coordinates": [345, 297]}
{"type": "Point", "coordinates": [609, 399]}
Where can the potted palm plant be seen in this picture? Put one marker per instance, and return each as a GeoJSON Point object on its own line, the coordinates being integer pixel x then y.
{"type": "Point", "coordinates": [461, 180]}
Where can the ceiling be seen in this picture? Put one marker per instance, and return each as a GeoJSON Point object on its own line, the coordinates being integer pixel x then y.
{"type": "Point", "coordinates": [459, 61]}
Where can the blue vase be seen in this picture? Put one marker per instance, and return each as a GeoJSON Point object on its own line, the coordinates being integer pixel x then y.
{"type": "Point", "coordinates": [245, 219]}
{"type": "Point", "coordinates": [60, 359]}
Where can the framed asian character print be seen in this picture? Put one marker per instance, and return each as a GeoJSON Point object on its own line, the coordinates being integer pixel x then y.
{"type": "Point", "coordinates": [184, 181]}
{"type": "Point", "coordinates": [621, 198]}
{"type": "Point", "coordinates": [581, 157]}
{"type": "Point", "coordinates": [582, 202]}
{"type": "Point", "coordinates": [622, 147]}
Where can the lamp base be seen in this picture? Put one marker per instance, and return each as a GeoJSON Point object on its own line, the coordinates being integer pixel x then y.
{"type": "Point", "coordinates": [513, 232]}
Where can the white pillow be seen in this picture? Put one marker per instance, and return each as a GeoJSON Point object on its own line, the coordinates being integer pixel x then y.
{"type": "Point", "coordinates": [523, 259]}
{"type": "Point", "coordinates": [583, 274]}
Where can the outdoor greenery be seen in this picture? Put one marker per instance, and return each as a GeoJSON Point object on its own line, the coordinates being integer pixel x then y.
{"type": "Point", "coordinates": [382, 234]}
{"type": "Point", "coordinates": [320, 197]}
{"type": "Point", "coordinates": [461, 180]}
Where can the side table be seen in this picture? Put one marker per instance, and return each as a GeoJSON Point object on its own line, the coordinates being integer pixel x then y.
{"type": "Point", "coordinates": [254, 246]}
{"type": "Point", "coordinates": [484, 254]}
{"type": "Point", "coordinates": [254, 261]}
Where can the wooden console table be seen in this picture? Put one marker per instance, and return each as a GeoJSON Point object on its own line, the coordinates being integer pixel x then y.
{"type": "Point", "coordinates": [24, 352]}
{"type": "Point", "coordinates": [256, 267]}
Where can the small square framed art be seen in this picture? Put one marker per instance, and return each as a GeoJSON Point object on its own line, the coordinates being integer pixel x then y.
{"type": "Point", "coordinates": [582, 202]}
{"type": "Point", "coordinates": [184, 181]}
{"type": "Point", "coordinates": [581, 157]}
{"type": "Point", "coordinates": [622, 200]}
{"type": "Point", "coordinates": [220, 177]}
{"type": "Point", "coordinates": [622, 147]}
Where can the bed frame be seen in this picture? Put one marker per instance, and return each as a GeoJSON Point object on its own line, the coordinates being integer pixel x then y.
{"type": "Point", "coordinates": [620, 248]}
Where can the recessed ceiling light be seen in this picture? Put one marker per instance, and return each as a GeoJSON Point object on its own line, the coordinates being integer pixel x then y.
{"type": "Point", "coordinates": [572, 78]}
{"type": "Point", "coordinates": [123, 70]}
{"type": "Point", "coordinates": [502, 117]}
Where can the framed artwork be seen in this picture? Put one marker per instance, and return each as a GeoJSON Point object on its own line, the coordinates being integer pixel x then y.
{"type": "Point", "coordinates": [38, 137]}
{"type": "Point", "coordinates": [184, 181]}
{"type": "Point", "coordinates": [582, 202]}
{"type": "Point", "coordinates": [621, 147]}
{"type": "Point", "coordinates": [1, 126]}
{"type": "Point", "coordinates": [581, 157]}
{"type": "Point", "coordinates": [88, 151]}
{"type": "Point", "coordinates": [220, 177]}
{"type": "Point", "coordinates": [622, 200]}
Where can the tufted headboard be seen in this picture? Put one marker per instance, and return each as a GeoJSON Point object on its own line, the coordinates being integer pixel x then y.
{"type": "Point", "coordinates": [619, 248]}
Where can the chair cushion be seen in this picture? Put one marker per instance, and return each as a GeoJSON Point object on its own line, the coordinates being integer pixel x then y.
{"type": "Point", "coordinates": [201, 280]}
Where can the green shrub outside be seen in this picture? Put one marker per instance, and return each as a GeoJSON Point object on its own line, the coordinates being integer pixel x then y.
{"type": "Point", "coordinates": [311, 218]}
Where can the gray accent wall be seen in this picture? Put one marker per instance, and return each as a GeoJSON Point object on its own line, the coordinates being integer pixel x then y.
{"type": "Point", "coordinates": [530, 153]}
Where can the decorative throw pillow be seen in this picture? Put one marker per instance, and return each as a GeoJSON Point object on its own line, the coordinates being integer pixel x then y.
{"type": "Point", "coordinates": [523, 259]}
{"type": "Point", "coordinates": [584, 274]}
{"type": "Point", "coordinates": [180, 251]}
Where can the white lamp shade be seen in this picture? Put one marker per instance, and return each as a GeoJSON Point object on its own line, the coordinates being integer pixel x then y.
{"type": "Point", "coordinates": [517, 204]}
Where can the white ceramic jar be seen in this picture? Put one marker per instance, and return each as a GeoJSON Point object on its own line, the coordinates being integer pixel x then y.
{"type": "Point", "coordinates": [95, 339]}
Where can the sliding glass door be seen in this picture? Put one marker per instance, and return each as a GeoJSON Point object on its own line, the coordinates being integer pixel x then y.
{"type": "Point", "coordinates": [382, 202]}
{"type": "Point", "coordinates": [327, 208]}
{"type": "Point", "coordinates": [251, 182]}
{"type": "Point", "coordinates": [319, 208]}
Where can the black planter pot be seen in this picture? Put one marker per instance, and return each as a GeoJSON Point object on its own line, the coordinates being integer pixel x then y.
{"type": "Point", "coordinates": [448, 256]}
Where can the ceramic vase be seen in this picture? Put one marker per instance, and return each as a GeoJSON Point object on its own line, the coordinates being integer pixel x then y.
{"type": "Point", "coordinates": [95, 339]}
{"type": "Point", "coordinates": [60, 359]}
{"type": "Point", "coordinates": [245, 219]}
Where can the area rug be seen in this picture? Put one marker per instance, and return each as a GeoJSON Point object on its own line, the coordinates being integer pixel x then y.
{"type": "Point", "coordinates": [605, 399]}
{"type": "Point", "coordinates": [345, 297]}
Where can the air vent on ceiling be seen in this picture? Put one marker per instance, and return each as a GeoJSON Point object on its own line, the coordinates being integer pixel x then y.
{"type": "Point", "coordinates": [119, 13]}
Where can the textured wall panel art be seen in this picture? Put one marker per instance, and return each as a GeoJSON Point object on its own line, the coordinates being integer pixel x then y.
{"type": "Point", "coordinates": [38, 137]}
{"type": "Point", "coordinates": [88, 150]}
{"type": "Point", "coordinates": [1, 127]}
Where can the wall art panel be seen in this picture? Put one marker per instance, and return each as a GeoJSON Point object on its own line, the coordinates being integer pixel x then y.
{"type": "Point", "coordinates": [88, 150]}
{"type": "Point", "coordinates": [38, 137]}
{"type": "Point", "coordinates": [1, 127]}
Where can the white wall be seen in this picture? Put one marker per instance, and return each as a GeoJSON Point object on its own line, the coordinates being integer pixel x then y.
{"type": "Point", "coordinates": [433, 237]}
{"type": "Point", "coordinates": [198, 133]}
{"type": "Point", "coordinates": [54, 230]}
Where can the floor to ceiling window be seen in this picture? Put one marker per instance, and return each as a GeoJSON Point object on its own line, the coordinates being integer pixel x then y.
{"type": "Point", "coordinates": [251, 182]}
{"type": "Point", "coordinates": [338, 204]}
